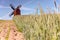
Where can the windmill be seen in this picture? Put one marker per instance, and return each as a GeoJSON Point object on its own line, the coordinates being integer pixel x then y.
{"type": "Point", "coordinates": [16, 11]}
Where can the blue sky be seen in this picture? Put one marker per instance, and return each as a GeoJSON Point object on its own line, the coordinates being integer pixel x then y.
{"type": "Point", "coordinates": [28, 6]}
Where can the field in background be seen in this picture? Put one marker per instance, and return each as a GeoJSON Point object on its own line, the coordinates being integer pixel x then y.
{"type": "Point", "coordinates": [39, 27]}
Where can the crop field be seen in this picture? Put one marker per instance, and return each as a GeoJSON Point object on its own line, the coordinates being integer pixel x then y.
{"type": "Point", "coordinates": [39, 27]}
{"type": "Point", "coordinates": [8, 31]}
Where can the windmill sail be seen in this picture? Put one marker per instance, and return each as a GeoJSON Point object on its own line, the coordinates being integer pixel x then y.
{"type": "Point", "coordinates": [11, 14]}
{"type": "Point", "coordinates": [55, 4]}
{"type": "Point", "coordinates": [12, 6]}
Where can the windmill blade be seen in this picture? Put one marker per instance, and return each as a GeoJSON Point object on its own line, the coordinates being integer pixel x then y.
{"type": "Point", "coordinates": [19, 6]}
{"type": "Point", "coordinates": [11, 14]}
{"type": "Point", "coordinates": [12, 6]}
{"type": "Point", "coordinates": [55, 3]}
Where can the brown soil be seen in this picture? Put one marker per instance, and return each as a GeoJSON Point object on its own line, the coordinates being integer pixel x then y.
{"type": "Point", "coordinates": [8, 31]}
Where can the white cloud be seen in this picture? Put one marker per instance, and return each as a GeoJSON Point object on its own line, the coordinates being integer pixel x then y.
{"type": "Point", "coordinates": [1, 6]}
{"type": "Point", "coordinates": [29, 2]}
{"type": "Point", "coordinates": [6, 17]}
{"type": "Point", "coordinates": [0, 18]}
{"type": "Point", "coordinates": [26, 8]}
{"type": "Point", "coordinates": [23, 8]}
